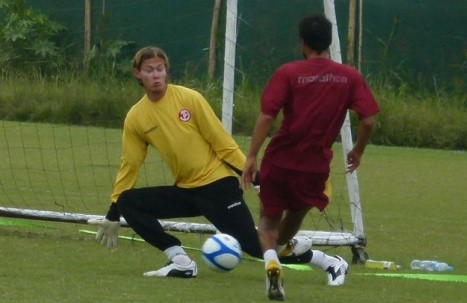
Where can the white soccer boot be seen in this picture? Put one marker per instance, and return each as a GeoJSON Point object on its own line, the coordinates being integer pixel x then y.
{"type": "Point", "coordinates": [337, 271]}
{"type": "Point", "coordinates": [175, 270]}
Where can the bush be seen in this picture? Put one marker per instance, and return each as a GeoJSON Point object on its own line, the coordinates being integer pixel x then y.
{"type": "Point", "coordinates": [407, 118]}
{"type": "Point", "coordinates": [419, 119]}
{"type": "Point", "coordinates": [29, 40]}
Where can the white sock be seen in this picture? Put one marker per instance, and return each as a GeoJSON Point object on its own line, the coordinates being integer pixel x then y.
{"type": "Point", "coordinates": [321, 260]}
{"type": "Point", "coordinates": [177, 255]}
{"type": "Point", "coordinates": [270, 254]}
{"type": "Point", "coordinates": [183, 260]}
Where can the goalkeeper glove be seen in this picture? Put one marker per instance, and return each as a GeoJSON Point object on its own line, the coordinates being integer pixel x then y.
{"type": "Point", "coordinates": [107, 233]}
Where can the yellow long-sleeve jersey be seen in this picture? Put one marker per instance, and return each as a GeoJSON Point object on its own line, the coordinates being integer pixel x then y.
{"type": "Point", "coordinates": [183, 128]}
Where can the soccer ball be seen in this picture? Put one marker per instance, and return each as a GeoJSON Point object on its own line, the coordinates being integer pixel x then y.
{"type": "Point", "coordinates": [222, 252]}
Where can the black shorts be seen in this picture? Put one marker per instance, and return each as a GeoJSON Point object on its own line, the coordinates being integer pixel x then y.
{"type": "Point", "coordinates": [221, 202]}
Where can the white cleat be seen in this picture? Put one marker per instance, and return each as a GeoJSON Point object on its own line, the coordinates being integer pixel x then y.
{"type": "Point", "coordinates": [175, 271]}
{"type": "Point", "coordinates": [337, 271]}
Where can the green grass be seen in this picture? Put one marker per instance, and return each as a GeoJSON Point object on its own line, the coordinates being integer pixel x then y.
{"type": "Point", "coordinates": [413, 204]}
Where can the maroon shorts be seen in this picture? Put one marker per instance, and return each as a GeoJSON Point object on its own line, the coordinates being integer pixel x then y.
{"type": "Point", "coordinates": [284, 189]}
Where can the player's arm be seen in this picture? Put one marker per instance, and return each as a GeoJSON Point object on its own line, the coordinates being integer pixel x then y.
{"type": "Point", "coordinates": [276, 93]}
{"type": "Point", "coordinates": [365, 106]}
{"type": "Point", "coordinates": [263, 126]}
{"type": "Point", "coordinates": [134, 151]}
{"type": "Point", "coordinates": [365, 128]}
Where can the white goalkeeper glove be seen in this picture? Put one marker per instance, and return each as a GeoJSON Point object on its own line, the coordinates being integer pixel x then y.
{"type": "Point", "coordinates": [107, 233]}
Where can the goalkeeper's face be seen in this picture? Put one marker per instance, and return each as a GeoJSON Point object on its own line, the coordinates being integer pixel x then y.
{"type": "Point", "coordinates": [153, 76]}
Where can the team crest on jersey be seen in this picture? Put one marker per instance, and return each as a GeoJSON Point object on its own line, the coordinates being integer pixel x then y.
{"type": "Point", "coordinates": [184, 115]}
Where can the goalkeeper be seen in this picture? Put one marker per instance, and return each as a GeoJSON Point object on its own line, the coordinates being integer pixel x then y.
{"type": "Point", "coordinates": [179, 123]}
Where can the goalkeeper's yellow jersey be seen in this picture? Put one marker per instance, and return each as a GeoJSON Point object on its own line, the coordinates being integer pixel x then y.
{"type": "Point", "coordinates": [184, 129]}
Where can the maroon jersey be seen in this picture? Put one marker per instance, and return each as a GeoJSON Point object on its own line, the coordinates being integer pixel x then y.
{"type": "Point", "coordinates": [314, 95]}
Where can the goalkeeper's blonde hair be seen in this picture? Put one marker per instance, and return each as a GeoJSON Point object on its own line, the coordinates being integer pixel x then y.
{"type": "Point", "coordinates": [148, 53]}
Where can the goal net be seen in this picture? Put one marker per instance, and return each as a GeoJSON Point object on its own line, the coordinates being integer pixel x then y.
{"type": "Point", "coordinates": [66, 173]}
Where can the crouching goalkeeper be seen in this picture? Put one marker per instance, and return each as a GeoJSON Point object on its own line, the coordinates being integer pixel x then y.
{"type": "Point", "coordinates": [179, 123]}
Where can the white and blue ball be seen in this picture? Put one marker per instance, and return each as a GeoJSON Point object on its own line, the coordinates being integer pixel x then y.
{"type": "Point", "coordinates": [222, 252]}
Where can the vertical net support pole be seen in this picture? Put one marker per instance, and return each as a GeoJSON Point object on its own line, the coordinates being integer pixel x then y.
{"type": "Point", "coordinates": [347, 144]}
{"type": "Point", "coordinates": [229, 65]}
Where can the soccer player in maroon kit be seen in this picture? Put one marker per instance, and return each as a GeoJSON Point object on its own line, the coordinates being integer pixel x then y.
{"type": "Point", "coordinates": [314, 95]}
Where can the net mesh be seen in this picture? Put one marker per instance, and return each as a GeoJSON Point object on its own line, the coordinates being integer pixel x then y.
{"type": "Point", "coordinates": [66, 172]}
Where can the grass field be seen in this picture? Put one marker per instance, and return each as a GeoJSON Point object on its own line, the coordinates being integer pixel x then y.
{"type": "Point", "coordinates": [413, 204]}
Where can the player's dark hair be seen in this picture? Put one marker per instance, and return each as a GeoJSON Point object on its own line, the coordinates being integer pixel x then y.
{"type": "Point", "coordinates": [316, 32]}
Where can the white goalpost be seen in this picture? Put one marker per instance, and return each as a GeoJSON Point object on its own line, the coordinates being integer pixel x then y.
{"type": "Point", "coordinates": [229, 65]}
{"type": "Point", "coordinates": [32, 177]}
{"type": "Point", "coordinates": [347, 145]}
